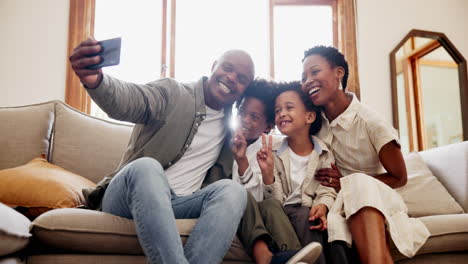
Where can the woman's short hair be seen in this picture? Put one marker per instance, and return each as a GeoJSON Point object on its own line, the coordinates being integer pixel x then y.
{"type": "Point", "coordinates": [333, 56]}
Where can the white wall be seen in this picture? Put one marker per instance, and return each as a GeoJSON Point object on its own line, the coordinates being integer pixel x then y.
{"type": "Point", "coordinates": [382, 24]}
{"type": "Point", "coordinates": [33, 51]}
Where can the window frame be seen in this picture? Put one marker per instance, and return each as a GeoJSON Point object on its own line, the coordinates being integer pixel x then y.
{"type": "Point", "coordinates": [81, 26]}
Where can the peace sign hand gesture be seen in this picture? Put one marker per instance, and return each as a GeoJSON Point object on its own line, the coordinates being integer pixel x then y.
{"type": "Point", "coordinates": [265, 160]}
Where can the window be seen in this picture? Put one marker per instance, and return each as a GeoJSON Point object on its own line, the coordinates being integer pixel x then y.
{"type": "Point", "coordinates": [206, 28]}
{"type": "Point", "coordinates": [182, 38]}
{"type": "Point", "coordinates": [139, 24]}
{"type": "Point", "coordinates": [296, 28]}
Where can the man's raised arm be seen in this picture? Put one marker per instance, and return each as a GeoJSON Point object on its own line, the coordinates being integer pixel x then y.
{"type": "Point", "coordinates": [120, 100]}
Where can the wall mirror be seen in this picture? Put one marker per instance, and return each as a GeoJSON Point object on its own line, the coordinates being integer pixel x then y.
{"type": "Point", "coordinates": [429, 91]}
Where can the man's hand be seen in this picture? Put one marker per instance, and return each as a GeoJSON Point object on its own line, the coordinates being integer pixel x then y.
{"type": "Point", "coordinates": [82, 57]}
{"type": "Point", "coordinates": [265, 160]}
{"type": "Point", "coordinates": [319, 211]}
{"type": "Point", "coordinates": [329, 177]}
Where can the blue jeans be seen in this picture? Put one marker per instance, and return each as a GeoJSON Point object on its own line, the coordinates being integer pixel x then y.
{"type": "Point", "coordinates": [140, 191]}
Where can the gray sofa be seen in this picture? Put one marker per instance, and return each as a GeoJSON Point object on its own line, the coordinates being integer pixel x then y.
{"type": "Point", "coordinates": [92, 147]}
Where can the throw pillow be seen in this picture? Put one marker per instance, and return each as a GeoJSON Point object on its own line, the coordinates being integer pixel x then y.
{"type": "Point", "coordinates": [423, 194]}
{"type": "Point", "coordinates": [14, 230]}
{"type": "Point", "coordinates": [40, 186]}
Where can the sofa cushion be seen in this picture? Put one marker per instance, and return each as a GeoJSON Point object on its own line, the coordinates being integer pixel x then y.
{"type": "Point", "coordinates": [91, 231]}
{"type": "Point", "coordinates": [423, 194]}
{"type": "Point", "coordinates": [449, 233]}
{"type": "Point", "coordinates": [40, 186]}
{"type": "Point", "coordinates": [439, 225]}
{"type": "Point", "coordinates": [14, 230]}
{"type": "Point", "coordinates": [25, 133]}
{"type": "Point", "coordinates": [450, 165]}
{"type": "Point", "coordinates": [85, 145]}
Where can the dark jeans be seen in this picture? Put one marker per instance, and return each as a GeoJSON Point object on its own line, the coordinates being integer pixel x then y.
{"type": "Point", "coordinates": [267, 220]}
{"type": "Point", "coordinates": [336, 252]}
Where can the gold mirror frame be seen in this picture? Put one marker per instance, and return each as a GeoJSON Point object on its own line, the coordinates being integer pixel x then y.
{"type": "Point", "coordinates": [414, 122]}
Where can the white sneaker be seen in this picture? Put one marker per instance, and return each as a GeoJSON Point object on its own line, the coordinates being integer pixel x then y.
{"type": "Point", "coordinates": [307, 255]}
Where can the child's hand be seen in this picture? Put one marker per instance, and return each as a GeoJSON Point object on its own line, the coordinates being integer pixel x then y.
{"type": "Point", "coordinates": [319, 211]}
{"type": "Point", "coordinates": [265, 160]}
{"type": "Point", "coordinates": [239, 145]}
{"type": "Point", "coordinates": [329, 177]}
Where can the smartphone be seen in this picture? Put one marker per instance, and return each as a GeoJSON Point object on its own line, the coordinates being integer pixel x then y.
{"type": "Point", "coordinates": [110, 53]}
{"type": "Point", "coordinates": [315, 222]}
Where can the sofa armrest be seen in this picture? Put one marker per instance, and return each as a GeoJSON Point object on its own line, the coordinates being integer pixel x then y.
{"type": "Point", "coordinates": [14, 230]}
{"type": "Point", "coordinates": [450, 165]}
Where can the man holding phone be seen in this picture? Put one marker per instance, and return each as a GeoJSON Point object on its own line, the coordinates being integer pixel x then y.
{"type": "Point", "coordinates": [177, 144]}
{"type": "Point", "coordinates": [109, 53]}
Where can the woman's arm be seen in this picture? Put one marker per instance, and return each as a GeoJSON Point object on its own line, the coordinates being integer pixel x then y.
{"type": "Point", "coordinates": [391, 158]}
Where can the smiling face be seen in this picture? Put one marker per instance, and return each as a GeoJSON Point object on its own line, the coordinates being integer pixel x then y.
{"type": "Point", "coordinates": [230, 76]}
{"type": "Point", "coordinates": [291, 116]}
{"type": "Point", "coordinates": [320, 80]}
{"type": "Point", "coordinates": [251, 118]}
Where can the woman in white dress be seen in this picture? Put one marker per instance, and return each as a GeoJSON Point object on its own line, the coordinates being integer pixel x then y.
{"type": "Point", "coordinates": [369, 165]}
